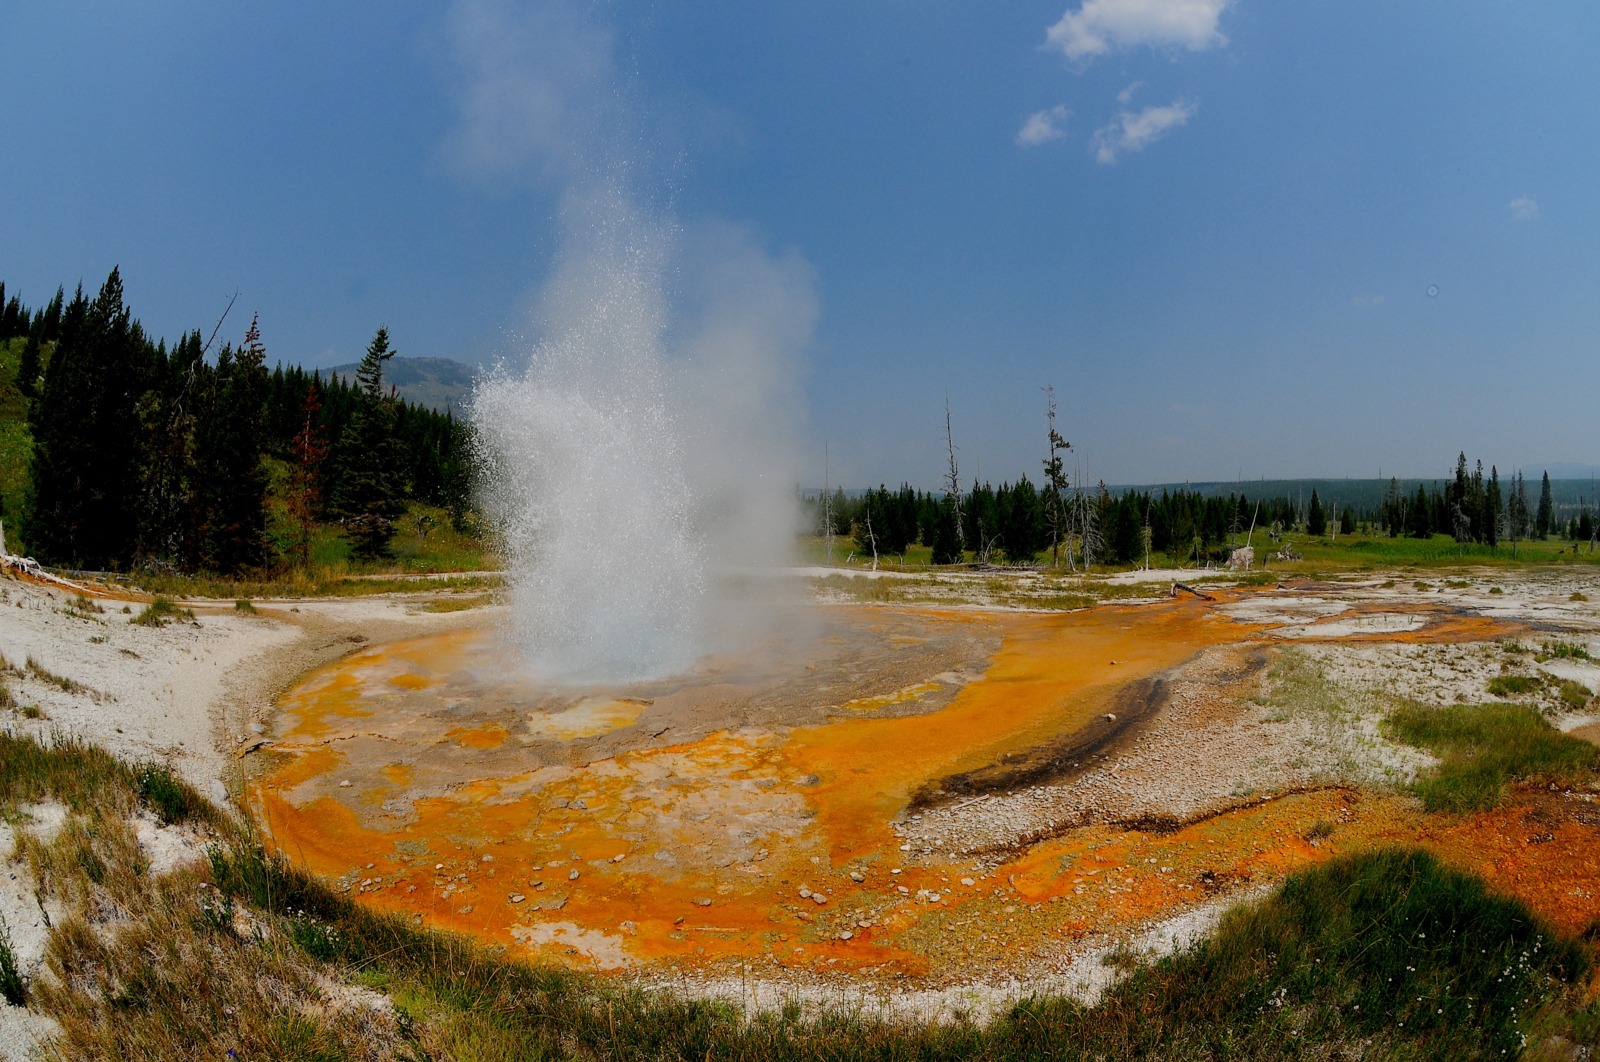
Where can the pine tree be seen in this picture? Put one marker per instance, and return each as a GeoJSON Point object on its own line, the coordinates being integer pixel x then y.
{"type": "Point", "coordinates": [170, 520]}
{"type": "Point", "coordinates": [1517, 518]}
{"type": "Point", "coordinates": [28, 366]}
{"type": "Point", "coordinates": [946, 538]}
{"type": "Point", "coordinates": [1493, 508]}
{"type": "Point", "coordinates": [1316, 519]}
{"type": "Point", "coordinates": [47, 323]}
{"type": "Point", "coordinates": [231, 440]}
{"type": "Point", "coordinates": [85, 427]}
{"type": "Point", "coordinates": [1393, 509]}
{"type": "Point", "coordinates": [1023, 530]}
{"type": "Point", "coordinates": [303, 497]}
{"type": "Point", "coordinates": [368, 491]}
{"type": "Point", "coordinates": [1418, 519]}
{"type": "Point", "coordinates": [1544, 522]}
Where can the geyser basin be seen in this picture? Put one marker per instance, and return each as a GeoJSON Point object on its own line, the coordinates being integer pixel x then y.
{"type": "Point", "coordinates": [749, 808]}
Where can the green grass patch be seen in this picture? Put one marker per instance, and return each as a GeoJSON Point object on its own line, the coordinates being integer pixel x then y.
{"type": "Point", "coordinates": [244, 605]}
{"type": "Point", "coordinates": [1574, 695]}
{"type": "Point", "coordinates": [172, 799]}
{"type": "Point", "coordinates": [1514, 685]}
{"type": "Point", "coordinates": [1562, 651]}
{"type": "Point", "coordinates": [1388, 947]}
{"type": "Point", "coordinates": [84, 777]}
{"type": "Point", "coordinates": [327, 582]}
{"type": "Point", "coordinates": [1484, 747]}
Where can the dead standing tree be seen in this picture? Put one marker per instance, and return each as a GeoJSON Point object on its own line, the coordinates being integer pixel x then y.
{"type": "Point", "coordinates": [1056, 479]}
{"type": "Point", "coordinates": [952, 483]}
{"type": "Point", "coordinates": [1086, 517]}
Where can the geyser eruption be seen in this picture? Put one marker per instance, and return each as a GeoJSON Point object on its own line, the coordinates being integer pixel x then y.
{"type": "Point", "coordinates": [646, 448]}
{"type": "Point", "coordinates": [629, 464]}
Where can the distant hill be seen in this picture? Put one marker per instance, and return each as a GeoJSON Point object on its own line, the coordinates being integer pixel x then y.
{"type": "Point", "coordinates": [439, 383]}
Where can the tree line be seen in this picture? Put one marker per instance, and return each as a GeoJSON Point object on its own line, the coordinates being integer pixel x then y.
{"type": "Point", "coordinates": [1017, 522]}
{"type": "Point", "coordinates": [145, 456]}
{"type": "Point", "coordinates": [1472, 508]}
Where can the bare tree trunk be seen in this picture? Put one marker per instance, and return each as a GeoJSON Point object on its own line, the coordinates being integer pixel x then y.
{"type": "Point", "coordinates": [953, 478]}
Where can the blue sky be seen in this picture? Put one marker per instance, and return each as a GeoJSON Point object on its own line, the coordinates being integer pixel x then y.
{"type": "Point", "coordinates": [1267, 239]}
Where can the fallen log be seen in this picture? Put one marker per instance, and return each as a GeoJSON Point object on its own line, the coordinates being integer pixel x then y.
{"type": "Point", "coordinates": [1202, 595]}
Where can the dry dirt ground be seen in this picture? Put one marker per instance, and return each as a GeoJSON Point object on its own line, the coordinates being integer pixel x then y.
{"type": "Point", "coordinates": [915, 808]}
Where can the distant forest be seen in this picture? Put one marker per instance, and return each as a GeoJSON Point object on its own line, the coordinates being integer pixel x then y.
{"type": "Point", "coordinates": [187, 458]}
{"type": "Point", "coordinates": [1016, 523]}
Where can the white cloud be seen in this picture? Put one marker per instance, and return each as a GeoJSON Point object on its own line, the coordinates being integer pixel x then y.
{"type": "Point", "coordinates": [1044, 126]}
{"type": "Point", "coordinates": [1525, 208]}
{"type": "Point", "coordinates": [1099, 27]}
{"type": "Point", "coordinates": [1131, 131]}
{"type": "Point", "coordinates": [1125, 97]}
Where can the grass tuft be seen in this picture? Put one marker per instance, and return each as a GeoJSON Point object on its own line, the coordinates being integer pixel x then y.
{"type": "Point", "coordinates": [1574, 695]}
{"type": "Point", "coordinates": [12, 988]}
{"type": "Point", "coordinates": [243, 605]}
{"type": "Point", "coordinates": [84, 604]}
{"type": "Point", "coordinates": [60, 682]}
{"type": "Point", "coordinates": [1484, 747]}
{"type": "Point", "coordinates": [161, 612]}
{"type": "Point", "coordinates": [172, 799]}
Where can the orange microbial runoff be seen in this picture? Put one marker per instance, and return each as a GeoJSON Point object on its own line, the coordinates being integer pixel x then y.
{"type": "Point", "coordinates": [575, 827]}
